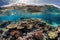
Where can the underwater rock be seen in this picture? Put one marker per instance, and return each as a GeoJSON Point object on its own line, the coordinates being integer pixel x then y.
{"type": "Point", "coordinates": [4, 24]}
{"type": "Point", "coordinates": [28, 28]}
{"type": "Point", "coordinates": [1, 31]}
{"type": "Point", "coordinates": [28, 24]}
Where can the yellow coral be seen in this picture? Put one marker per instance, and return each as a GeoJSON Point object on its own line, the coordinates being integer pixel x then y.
{"type": "Point", "coordinates": [52, 34]}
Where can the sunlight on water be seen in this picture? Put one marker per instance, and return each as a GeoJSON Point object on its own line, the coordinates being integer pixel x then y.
{"type": "Point", "coordinates": [54, 24]}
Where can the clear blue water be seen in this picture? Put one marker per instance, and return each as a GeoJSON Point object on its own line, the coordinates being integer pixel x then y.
{"type": "Point", "coordinates": [51, 16]}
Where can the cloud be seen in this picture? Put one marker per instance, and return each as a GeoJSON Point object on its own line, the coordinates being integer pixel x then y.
{"type": "Point", "coordinates": [31, 1]}
{"type": "Point", "coordinates": [19, 1]}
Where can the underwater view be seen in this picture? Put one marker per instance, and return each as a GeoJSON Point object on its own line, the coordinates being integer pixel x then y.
{"type": "Point", "coordinates": [50, 15]}
{"type": "Point", "coordinates": [29, 20]}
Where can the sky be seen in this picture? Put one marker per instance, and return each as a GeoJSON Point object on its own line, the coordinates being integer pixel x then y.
{"type": "Point", "coordinates": [6, 2]}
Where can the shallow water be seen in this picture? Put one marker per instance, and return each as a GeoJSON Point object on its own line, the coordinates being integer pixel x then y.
{"type": "Point", "coordinates": [52, 17]}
